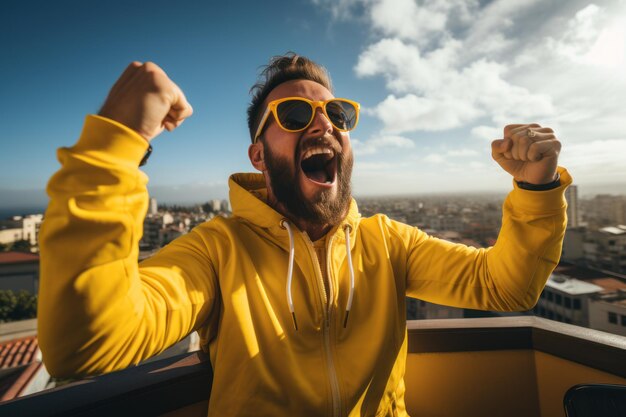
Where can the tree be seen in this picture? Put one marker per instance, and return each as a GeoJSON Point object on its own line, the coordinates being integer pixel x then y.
{"type": "Point", "coordinates": [20, 306]}
{"type": "Point", "coordinates": [21, 246]}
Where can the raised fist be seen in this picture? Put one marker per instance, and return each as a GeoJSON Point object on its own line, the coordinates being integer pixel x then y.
{"type": "Point", "coordinates": [146, 100]}
{"type": "Point", "coordinates": [529, 152]}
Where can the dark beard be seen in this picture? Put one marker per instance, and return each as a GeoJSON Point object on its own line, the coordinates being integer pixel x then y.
{"type": "Point", "coordinates": [324, 210]}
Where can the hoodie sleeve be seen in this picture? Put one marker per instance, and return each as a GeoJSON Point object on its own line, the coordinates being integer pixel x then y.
{"type": "Point", "coordinates": [506, 277]}
{"type": "Point", "coordinates": [99, 311]}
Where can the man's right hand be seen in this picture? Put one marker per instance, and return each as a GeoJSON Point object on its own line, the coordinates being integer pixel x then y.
{"type": "Point", "coordinates": [146, 100]}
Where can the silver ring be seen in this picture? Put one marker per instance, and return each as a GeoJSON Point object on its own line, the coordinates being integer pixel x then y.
{"type": "Point", "coordinates": [531, 133]}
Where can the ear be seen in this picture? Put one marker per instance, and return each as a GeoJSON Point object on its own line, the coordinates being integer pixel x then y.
{"type": "Point", "coordinates": [256, 155]}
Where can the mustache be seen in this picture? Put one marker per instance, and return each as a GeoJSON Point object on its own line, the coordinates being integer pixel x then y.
{"type": "Point", "coordinates": [327, 141]}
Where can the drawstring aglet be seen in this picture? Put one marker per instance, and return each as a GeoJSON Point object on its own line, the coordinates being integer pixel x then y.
{"type": "Point", "coordinates": [295, 324]}
{"type": "Point", "coordinates": [345, 320]}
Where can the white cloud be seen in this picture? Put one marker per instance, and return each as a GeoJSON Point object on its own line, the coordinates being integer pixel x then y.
{"type": "Point", "coordinates": [477, 165]}
{"type": "Point", "coordinates": [434, 158]}
{"type": "Point", "coordinates": [411, 113]}
{"type": "Point", "coordinates": [487, 133]}
{"type": "Point", "coordinates": [381, 142]}
{"type": "Point", "coordinates": [462, 152]}
{"type": "Point", "coordinates": [440, 95]}
{"type": "Point", "coordinates": [476, 68]}
{"type": "Point", "coordinates": [450, 157]}
{"type": "Point", "coordinates": [408, 20]}
{"type": "Point", "coordinates": [596, 159]}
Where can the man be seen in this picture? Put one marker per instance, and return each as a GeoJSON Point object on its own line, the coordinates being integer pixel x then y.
{"type": "Point", "coordinates": [299, 301]}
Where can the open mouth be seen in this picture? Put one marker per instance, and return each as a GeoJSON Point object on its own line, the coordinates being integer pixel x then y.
{"type": "Point", "coordinates": [319, 164]}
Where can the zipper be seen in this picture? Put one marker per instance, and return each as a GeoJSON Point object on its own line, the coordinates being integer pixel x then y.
{"type": "Point", "coordinates": [334, 382]}
{"type": "Point", "coordinates": [326, 314]}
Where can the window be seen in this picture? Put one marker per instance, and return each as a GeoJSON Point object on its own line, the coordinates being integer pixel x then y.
{"type": "Point", "coordinates": [567, 302]}
{"type": "Point", "coordinates": [577, 304]}
{"type": "Point", "coordinates": [549, 296]}
{"type": "Point", "coordinates": [624, 321]}
{"type": "Point", "coordinates": [558, 299]}
{"type": "Point", "coordinates": [543, 294]}
{"type": "Point", "coordinates": [550, 314]}
{"type": "Point", "coordinates": [559, 317]}
{"type": "Point", "coordinates": [612, 317]}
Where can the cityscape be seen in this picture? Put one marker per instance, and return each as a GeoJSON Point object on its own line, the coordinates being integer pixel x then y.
{"type": "Point", "coordinates": [587, 288]}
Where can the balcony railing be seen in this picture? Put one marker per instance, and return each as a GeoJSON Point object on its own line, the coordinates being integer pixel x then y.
{"type": "Point", "coordinates": [512, 366]}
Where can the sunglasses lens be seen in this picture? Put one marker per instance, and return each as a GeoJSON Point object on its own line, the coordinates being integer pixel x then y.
{"type": "Point", "coordinates": [294, 114]}
{"type": "Point", "coordinates": [342, 114]}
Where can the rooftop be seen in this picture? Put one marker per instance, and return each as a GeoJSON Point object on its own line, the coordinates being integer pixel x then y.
{"type": "Point", "coordinates": [19, 352]}
{"type": "Point", "coordinates": [617, 297]}
{"type": "Point", "coordinates": [609, 284]}
{"type": "Point", "coordinates": [619, 230]}
{"type": "Point", "coordinates": [17, 257]}
{"type": "Point", "coordinates": [572, 286]}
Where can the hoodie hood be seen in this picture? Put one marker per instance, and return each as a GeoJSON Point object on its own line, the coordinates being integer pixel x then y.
{"type": "Point", "coordinates": [248, 195]}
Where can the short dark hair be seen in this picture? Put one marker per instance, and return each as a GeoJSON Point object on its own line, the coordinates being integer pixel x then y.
{"type": "Point", "coordinates": [280, 69]}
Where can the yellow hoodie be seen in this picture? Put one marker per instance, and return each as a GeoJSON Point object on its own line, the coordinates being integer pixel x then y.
{"type": "Point", "coordinates": [100, 311]}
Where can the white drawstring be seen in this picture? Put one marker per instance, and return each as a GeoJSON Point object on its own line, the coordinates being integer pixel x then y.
{"type": "Point", "coordinates": [285, 224]}
{"type": "Point", "coordinates": [346, 230]}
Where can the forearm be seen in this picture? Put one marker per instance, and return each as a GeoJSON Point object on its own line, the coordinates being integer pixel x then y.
{"type": "Point", "coordinates": [97, 311]}
{"type": "Point", "coordinates": [529, 245]}
{"type": "Point", "coordinates": [508, 276]}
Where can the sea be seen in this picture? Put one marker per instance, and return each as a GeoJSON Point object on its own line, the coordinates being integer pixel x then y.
{"type": "Point", "coordinates": [7, 213]}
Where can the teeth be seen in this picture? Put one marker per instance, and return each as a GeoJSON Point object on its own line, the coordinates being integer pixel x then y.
{"type": "Point", "coordinates": [316, 151]}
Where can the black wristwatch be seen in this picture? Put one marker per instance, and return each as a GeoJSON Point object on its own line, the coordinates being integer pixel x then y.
{"type": "Point", "coordinates": [540, 187]}
{"type": "Point", "coordinates": [144, 160]}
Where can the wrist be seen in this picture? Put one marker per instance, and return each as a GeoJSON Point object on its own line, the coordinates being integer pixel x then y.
{"type": "Point", "coordinates": [555, 183]}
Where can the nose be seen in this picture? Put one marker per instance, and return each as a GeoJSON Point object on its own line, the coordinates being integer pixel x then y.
{"type": "Point", "coordinates": [320, 124]}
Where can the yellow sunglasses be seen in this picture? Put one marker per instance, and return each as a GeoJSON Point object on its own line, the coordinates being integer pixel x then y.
{"type": "Point", "coordinates": [294, 114]}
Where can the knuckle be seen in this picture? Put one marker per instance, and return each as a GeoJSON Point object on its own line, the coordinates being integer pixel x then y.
{"type": "Point", "coordinates": [151, 67]}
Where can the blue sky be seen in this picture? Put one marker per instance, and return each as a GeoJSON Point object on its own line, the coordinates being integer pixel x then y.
{"type": "Point", "coordinates": [438, 80]}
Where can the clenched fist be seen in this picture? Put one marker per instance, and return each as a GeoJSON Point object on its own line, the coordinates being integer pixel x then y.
{"type": "Point", "coordinates": [528, 152]}
{"type": "Point", "coordinates": [146, 100]}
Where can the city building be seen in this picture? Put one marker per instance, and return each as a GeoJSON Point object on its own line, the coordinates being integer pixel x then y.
{"type": "Point", "coordinates": [21, 228]}
{"type": "Point", "coordinates": [22, 371]}
{"type": "Point", "coordinates": [605, 248]}
{"type": "Point", "coordinates": [11, 234]}
{"type": "Point", "coordinates": [607, 312]}
{"type": "Point", "coordinates": [583, 296]}
{"type": "Point", "coordinates": [30, 227]}
{"type": "Point", "coordinates": [153, 208]}
{"type": "Point", "coordinates": [573, 245]}
{"type": "Point", "coordinates": [571, 195]}
{"type": "Point", "coordinates": [604, 210]}
{"type": "Point", "coordinates": [422, 310]}
{"type": "Point", "coordinates": [214, 205]}
{"type": "Point", "coordinates": [566, 299]}
{"type": "Point", "coordinates": [19, 271]}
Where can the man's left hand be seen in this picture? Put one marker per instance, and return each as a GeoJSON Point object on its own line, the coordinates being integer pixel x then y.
{"type": "Point", "coordinates": [528, 152]}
